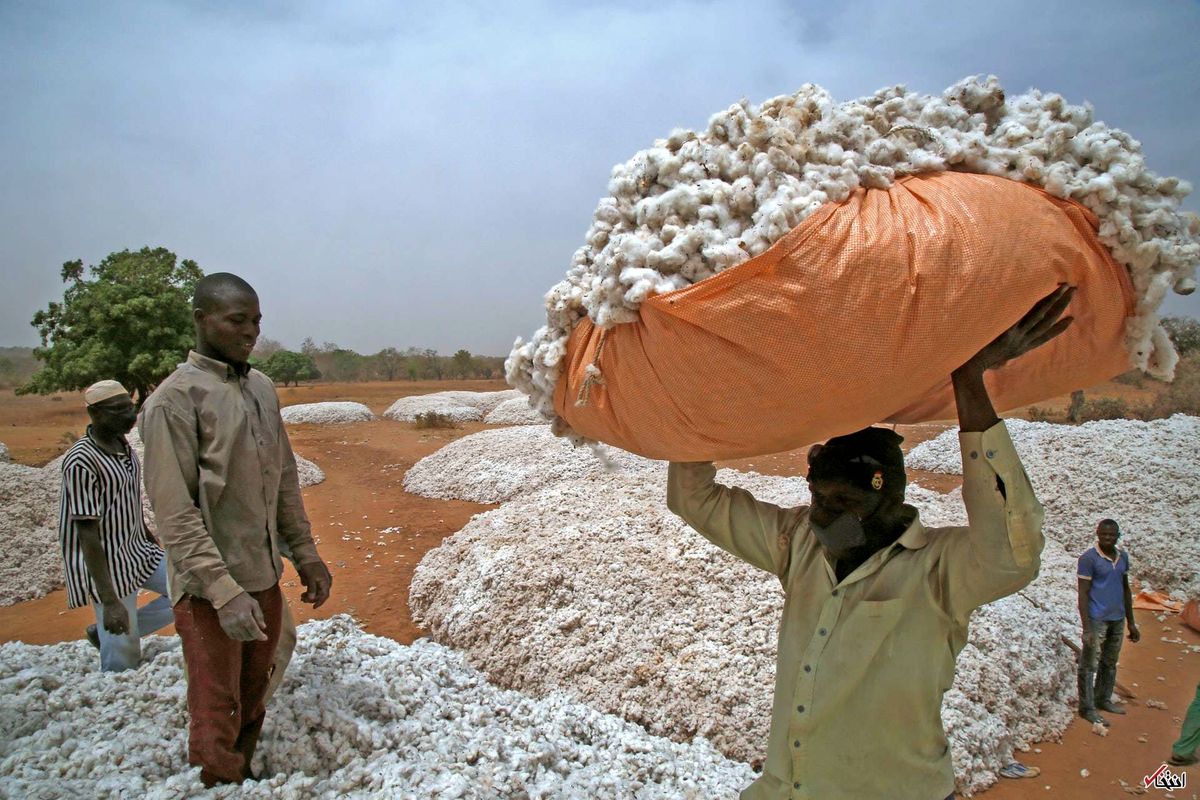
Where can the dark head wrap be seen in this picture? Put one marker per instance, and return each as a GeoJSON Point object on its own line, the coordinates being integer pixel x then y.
{"type": "Point", "coordinates": [869, 459]}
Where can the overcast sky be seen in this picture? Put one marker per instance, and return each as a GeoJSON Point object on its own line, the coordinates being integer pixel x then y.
{"type": "Point", "coordinates": [396, 174]}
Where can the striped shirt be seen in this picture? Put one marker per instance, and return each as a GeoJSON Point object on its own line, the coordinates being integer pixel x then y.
{"type": "Point", "coordinates": [105, 487]}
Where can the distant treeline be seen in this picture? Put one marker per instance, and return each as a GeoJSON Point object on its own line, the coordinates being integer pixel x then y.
{"type": "Point", "coordinates": [329, 362]}
{"type": "Point", "coordinates": [326, 362]}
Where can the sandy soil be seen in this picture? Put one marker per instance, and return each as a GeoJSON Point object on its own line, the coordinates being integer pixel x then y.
{"type": "Point", "coordinates": [372, 533]}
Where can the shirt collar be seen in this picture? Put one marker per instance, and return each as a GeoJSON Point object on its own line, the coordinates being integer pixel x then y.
{"type": "Point", "coordinates": [916, 535]}
{"type": "Point", "coordinates": [124, 441]}
{"type": "Point", "coordinates": [1112, 560]}
{"type": "Point", "coordinates": [221, 369]}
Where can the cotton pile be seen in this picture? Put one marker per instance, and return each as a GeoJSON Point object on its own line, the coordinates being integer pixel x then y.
{"type": "Point", "coordinates": [591, 587]}
{"type": "Point", "coordinates": [30, 553]}
{"type": "Point", "coordinates": [495, 465]}
{"type": "Point", "coordinates": [1145, 475]}
{"type": "Point", "coordinates": [458, 406]}
{"type": "Point", "coordinates": [30, 558]}
{"type": "Point", "coordinates": [326, 413]}
{"type": "Point", "coordinates": [515, 412]}
{"type": "Point", "coordinates": [5, 456]}
{"type": "Point", "coordinates": [697, 203]}
{"type": "Point", "coordinates": [356, 716]}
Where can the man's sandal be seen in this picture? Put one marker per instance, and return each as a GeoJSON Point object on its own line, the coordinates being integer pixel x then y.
{"type": "Point", "coordinates": [1177, 760]}
{"type": "Point", "coordinates": [1016, 769]}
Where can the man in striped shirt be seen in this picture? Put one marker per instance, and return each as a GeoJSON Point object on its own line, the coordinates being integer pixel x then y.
{"type": "Point", "coordinates": [108, 553]}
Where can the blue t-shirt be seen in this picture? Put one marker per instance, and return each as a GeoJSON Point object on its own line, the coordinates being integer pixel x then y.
{"type": "Point", "coordinates": [1106, 597]}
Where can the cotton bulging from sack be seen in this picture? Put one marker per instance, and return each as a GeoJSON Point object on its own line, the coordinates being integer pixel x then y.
{"type": "Point", "coordinates": [698, 204]}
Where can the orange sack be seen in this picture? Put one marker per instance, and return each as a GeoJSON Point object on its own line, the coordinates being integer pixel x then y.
{"type": "Point", "coordinates": [856, 316]}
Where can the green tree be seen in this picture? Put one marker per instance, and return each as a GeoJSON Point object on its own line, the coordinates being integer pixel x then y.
{"type": "Point", "coordinates": [286, 366]}
{"type": "Point", "coordinates": [389, 363]}
{"type": "Point", "coordinates": [131, 321]}
{"type": "Point", "coordinates": [463, 364]}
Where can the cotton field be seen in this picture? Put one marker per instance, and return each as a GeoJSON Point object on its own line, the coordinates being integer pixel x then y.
{"type": "Point", "coordinates": [585, 642]}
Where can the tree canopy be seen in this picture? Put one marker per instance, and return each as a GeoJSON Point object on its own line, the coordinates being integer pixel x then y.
{"type": "Point", "coordinates": [287, 366]}
{"type": "Point", "coordinates": [129, 320]}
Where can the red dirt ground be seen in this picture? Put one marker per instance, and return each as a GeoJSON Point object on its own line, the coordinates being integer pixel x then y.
{"type": "Point", "coordinates": [373, 534]}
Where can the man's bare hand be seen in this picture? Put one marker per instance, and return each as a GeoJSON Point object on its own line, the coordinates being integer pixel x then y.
{"type": "Point", "coordinates": [242, 619]}
{"type": "Point", "coordinates": [116, 618]}
{"type": "Point", "coordinates": [1039, 326]}
{"type": "Point", "coordinates": [317, 582]}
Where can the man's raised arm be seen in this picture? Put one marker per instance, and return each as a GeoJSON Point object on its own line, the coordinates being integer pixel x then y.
{"type": "Point", "coordinates": [731, 518]}
{"type": "Point", "coordinates": [1002, 550]}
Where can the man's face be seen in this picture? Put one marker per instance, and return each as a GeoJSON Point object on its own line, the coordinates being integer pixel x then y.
{"type": "Point", "coordinates": [831, 499]}
{"type": "Point", "coordinates": [231, 326]}
{"type": "Point", "coordinates": [116, 415]}
{"type": "Point", "coordinates": [1107, 536]}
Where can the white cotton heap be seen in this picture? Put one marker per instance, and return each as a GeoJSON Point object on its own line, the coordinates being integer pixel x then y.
{"type": "Point", "coordinates": [697, 203]}
{"type": "Point", "coordinates": [5, 456]}
{"type": "Point", "coordinates": [308, 472]}
{"type": "Point", "coordinates": [592, 588]}
{"type": "Point", "coordinates": [517, 411]}
{"type": "Point", "coordinates": [30, 556]}
{"type": "Point", "coordinates": [1142, 474]}
{"type": "Point", "coordinates": [496, 465]}
{"type": "Point", "coordinates": [338, 413]}
{"type": "Point", "coordinates": [356, 716]}
{"type": "Point", "coordinates": [30, 551]}
{"type": "Point", "coordinates": [458, 406]}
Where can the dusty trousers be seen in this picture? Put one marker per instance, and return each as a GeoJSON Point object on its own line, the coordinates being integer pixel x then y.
{"type": "Point", "coordinates": [227, 686]}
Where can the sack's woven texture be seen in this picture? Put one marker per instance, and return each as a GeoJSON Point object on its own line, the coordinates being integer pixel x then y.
{"type": "Point", "coordinates": [857, 316]}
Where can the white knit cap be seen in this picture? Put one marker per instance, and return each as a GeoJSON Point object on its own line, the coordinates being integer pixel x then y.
{"type": "Point", "coordinates": [102, 390]}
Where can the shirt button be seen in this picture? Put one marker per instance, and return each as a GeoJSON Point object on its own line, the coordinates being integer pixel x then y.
{"type": "Point", "coordinates": [800, 709]}
{"type": "Point", "coordinates": [796, 785]}
{"type": "Point", "coordinates": [807, 668]}
{"type": "Point", "coordinates": [835, 592]}
{"type": "Point", "coordinates": [822, 631]}
{"type": "Point", "coordinates": [991, 454]}
{"type": "Point", "coordinates": [796, 743]}
{"type": "Point", "coordinates": [974, 454]}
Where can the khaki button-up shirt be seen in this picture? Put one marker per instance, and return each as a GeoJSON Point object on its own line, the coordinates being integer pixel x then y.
{"type": "Point", "coordinates": [863, 663]}
{"type": "Point", "coordinates": [222, 480]}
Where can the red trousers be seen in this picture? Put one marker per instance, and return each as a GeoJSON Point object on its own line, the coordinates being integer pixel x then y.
{"type": "Point", "coordinates": [227, 686]}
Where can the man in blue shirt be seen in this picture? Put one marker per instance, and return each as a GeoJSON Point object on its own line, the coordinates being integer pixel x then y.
{"type": "Point", "coordinates": [1104, 603]}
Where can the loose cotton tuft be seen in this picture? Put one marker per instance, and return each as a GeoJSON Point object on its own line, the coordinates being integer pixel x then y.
{"type": "Point", "coordinates": [698, 203]}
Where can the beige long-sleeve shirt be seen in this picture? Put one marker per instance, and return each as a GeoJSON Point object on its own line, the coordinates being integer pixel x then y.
{"type": "Point", "coordinates": [863, 663]}
{"type": "Point", "coordinates": [221, 477]}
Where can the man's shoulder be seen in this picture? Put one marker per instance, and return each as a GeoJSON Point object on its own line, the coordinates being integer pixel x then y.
{"type": "Point", "coordinates": [180, 389]}
{"type": "Point", "coordinates": [81, 454]}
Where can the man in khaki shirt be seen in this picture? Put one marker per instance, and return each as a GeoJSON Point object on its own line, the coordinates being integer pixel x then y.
{"type": "Point", "coordinates": [222, 479]}
{"type": "Point", "coordinates": [877, 605]}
